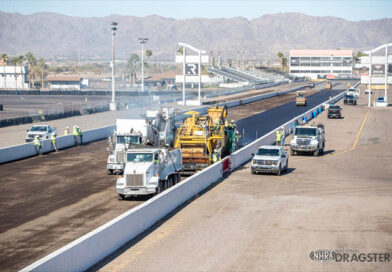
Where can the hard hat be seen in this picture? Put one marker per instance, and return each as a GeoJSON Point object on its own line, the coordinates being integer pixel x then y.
{"type": "Point", "coordinates": [75, 126]}
{"type": "Point", "coordinates": [67, 127]}
{"type": "Point", "coordinates": [53, 133]}
{"type": "Point", "coordinates": [232, 121]}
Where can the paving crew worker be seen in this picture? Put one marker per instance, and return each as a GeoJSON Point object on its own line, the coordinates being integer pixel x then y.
{"type": "Point", "coordinates": [217, 125]}
{"type": "Point", "coordinates": [53, 140]}
{"type": "Point", "coordinates": [66, 131]}
{"type": "Point", "coordinates": [77, 133]}
{"type": "Point", "coordinates": [37, 144]}
{"type": "Point", "coordinates": [278, 137]}
{"type": "Point", "coordinates": [283, 135]}
{"type": "Point", "coordinates": [215, 157]}
{"type": "Point", "coordinates": [232, 125]}
{"type": "Point", "coordinates": [155, 158]}
{"type": "Point", "coordinates": [226, 123]}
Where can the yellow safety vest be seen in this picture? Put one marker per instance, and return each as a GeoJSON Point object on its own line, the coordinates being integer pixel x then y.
{"type": "Point", "coordinates": [278, 136]}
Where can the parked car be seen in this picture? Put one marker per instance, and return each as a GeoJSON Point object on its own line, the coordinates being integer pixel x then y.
{"type": "Point", "coordinates": [270, 159]}
{"type": "Point", "coordinates": [334, 111]}
{"type": "Point", "coordinates": [381, 102]}
{"type": "Point", "coordinates": [367, 91]}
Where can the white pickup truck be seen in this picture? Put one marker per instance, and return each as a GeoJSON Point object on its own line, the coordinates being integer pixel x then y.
{"type": "Point", "coordinates": [42, 131]}
{"type": "Point", "coordinates": [270, 159]}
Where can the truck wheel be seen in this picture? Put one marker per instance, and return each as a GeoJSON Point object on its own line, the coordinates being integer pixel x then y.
{"type": "Point", "coordinates": [316, 153]}
{"type": "Point", "coordinates": [287, 166]}
{"type": "Point", "coordinates": [110, 171]}
{"type": "Point", "coordinates": [291, 152]}
{"type": "Point", "coordinates": [121, 197]}
{"type": "Point", "coordinates": [252, 172]}
{"type": "Point", "coordinates": [279, 171]}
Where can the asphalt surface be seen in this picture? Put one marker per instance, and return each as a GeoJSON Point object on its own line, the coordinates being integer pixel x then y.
{"type": "Point", "coordinates": [268, 120]}
{"type": "Point", "coordinates": [339, 201]}
{"type": "Point", "coordinates": [50, 200]}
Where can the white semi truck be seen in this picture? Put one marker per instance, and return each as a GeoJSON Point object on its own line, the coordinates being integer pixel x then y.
{"type": "Point", "coordinates": [149, 171]}
{"type": "Point", "coordinates": [130, 132]}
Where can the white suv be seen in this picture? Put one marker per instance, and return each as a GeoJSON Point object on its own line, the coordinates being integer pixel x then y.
{"type": "Point", "coordinates": [269, 159]}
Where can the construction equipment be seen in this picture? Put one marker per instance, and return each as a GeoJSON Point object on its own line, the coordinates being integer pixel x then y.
{"type": "Point", "coordinates": [149, 170]}
{"type": "Point", "coordinates": [328, 85]}
{"type": "Point", "coordinates": [300, 99]}
{"type": "Point", "coordinates": [164, 121]}
{"type": "Point", "coordinates": [129, 132]}
{"type": "Point", "coordinates": [205, 139]}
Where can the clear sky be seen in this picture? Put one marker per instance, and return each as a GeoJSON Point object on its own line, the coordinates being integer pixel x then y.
{"type": "Point", "coordinates": [182, 9]}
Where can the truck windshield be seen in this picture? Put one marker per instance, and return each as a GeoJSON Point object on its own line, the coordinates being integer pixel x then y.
{"type": "Point", "coordinates": [305, 132]}
{"type": "Point", "coordinates": [128, 140]}
{"type": "Point", "coordinates": [40, 128]}
{"type": "Point", "coordinates": [267, 152]}
{"type": "Point", "coordinates": [139, 157]}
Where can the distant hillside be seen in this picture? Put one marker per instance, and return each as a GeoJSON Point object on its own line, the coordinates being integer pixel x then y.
{"type": "Point", "coordinates": [49, 34]}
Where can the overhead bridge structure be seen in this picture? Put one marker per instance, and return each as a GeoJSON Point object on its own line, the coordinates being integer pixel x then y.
{"type": "Point", "coordinates": [247, 77]}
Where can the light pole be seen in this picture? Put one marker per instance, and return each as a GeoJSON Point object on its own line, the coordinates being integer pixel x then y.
{"type": "Point", "coordinates": [143, 41]}
{"type": "Point", "coordinates": [112, 105]}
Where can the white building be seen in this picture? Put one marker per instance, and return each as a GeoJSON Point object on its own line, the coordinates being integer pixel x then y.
{"type": "Point", "coordinates": [65, 83]}
{"type": "Point", "coordinates": [321, 63]}
{"type": "Point", "coordinates": [14, 77]}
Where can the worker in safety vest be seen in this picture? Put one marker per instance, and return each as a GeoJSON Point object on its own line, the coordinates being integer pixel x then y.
{"type": "Point", "coordinates": [283, 136]}
{"type": "Point", "coordinates": [37, 144]}
{"type": "Point", "coordinates": [232, 125]}
{"type": "Point", "coordinates": [66, 131]}
{"type": "Point", "coordinates": [78, 135]}
{"type": "Point", "coordinates": [348, 85]}
{"type": "Point", "coordinates": [278, 137]}
{"type": "Point", "coordinates": [217, 125]}
{"type": "Point", "coordinates": [53, 140]}
{"type": "Point", "coordinates": [215, 157]}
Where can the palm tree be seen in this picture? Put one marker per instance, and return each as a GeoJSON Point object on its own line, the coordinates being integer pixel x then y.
{"type": "Point", "coordinates": [148, 54]}
{"type": "Point", "coordinates": [133, 64]}
{"type": "Point", "coordinates": [41, 64]}
{"type": "Point", "coordinates": [283, 60]}
{"type": "Point", "coordinates": [4, 58]}
{"type": "Point", "coordinates": [181, 50]}
{"type": "Point", "coordinates": [31, 62]}
{"type": "Point", "coordinates": [19, 61]}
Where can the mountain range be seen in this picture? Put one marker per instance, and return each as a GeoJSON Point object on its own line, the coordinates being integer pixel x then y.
{"type": "Point", "coordinates": [52, 34]}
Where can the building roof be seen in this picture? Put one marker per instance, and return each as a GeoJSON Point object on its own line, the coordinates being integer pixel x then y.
{"type": "Point", "coordinates": [163, 76]}
{"type": "Point", "coordinates": [345, 52]}
{"type": "Point", "coordinates": [65, 78]}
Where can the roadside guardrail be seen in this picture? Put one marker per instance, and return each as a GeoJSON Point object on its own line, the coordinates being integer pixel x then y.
{"type": "Point", "coordinates": [89, 249]}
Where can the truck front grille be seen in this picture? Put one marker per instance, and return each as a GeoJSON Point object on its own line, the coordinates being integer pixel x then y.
{"type": "Point", "coordinates": [135, 180]}
{"type": "Point", "coordinates": [303, 141]}
{"type": "Point", "coordinates": [120, 155]}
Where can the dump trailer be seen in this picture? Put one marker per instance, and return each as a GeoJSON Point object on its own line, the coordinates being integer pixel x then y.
{"type": "Point", "coordinates": [129, 132]}
{"type": "Point", "coordinates": [148, 171]}
{"type": "Point", "coordinates": [164, 121]}
{"type": "Point", "coordinates": [204, 139]}
{"type": "Point", "coordinates": [300, 99]}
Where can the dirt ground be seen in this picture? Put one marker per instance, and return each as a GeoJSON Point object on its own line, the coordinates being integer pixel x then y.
{"type": "Point", "coordinates": [339, 201]}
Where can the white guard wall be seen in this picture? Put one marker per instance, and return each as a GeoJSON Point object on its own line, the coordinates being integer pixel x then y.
{"type": "Point", "coordinates": [13, 77]}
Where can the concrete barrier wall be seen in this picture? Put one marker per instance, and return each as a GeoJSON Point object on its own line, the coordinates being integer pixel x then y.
{"type": "Point", "coordinates": [96, 245]}
{"type": "Point", "coordinates": [22, 151]}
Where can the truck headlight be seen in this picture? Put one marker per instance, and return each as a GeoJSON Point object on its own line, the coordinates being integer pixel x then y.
{"type": "Point", "coordinates": [254, 161]}
{"type": "Point", "coordinates": [275, 162]}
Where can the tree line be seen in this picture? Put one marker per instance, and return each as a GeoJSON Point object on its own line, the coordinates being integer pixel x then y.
{"type": "Point", "coordinates": [36, 66]}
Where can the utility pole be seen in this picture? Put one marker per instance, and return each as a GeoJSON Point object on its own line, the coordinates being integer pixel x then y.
{"type": "Point", "coordinates": [143, 41]}
{"type": "Point", "coordinates": [113, 105]}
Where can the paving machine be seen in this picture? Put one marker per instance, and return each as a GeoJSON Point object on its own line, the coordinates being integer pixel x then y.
{"type": "Point", "coordinates": [205, 139]}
